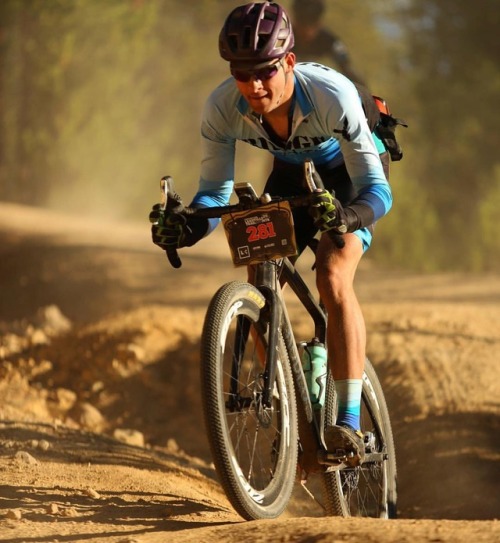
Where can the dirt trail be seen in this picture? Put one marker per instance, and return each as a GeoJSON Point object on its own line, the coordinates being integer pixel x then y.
{"type": "Point", "coordinates": [101, 436]}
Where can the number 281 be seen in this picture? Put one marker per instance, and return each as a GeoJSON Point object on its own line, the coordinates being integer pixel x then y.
{"type": "Point", "coordinates": [261, 231]}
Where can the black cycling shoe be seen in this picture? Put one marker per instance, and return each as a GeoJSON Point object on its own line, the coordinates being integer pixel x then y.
{"type": "Point", "coordinates": [345, 441]}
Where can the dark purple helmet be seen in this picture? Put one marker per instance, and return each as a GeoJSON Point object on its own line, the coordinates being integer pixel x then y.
{"type": "Point", "coordinates": [256, 33]}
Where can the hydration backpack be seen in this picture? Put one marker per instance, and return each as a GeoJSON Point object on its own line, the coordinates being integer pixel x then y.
{"type": "Point", "coordinates": [386, 129]}
{"type": "Point", "coordinates": [381, 121]}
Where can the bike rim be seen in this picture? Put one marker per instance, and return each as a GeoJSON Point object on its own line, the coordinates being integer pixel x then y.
{"type": "Point", "coordinates": [255, 434]}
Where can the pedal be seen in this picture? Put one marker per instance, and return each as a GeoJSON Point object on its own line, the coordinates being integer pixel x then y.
{"type": "Point", "coordinates": [343, 445]}
{"type": "Point", "coordinates": [338, 459]}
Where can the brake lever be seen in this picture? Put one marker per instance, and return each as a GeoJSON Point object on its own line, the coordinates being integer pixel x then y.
{"type": "Point", "coordinates": [168, 202]}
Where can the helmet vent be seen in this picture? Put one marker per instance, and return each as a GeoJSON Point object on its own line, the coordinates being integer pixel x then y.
{"type": "Point", "coordinates": [246, 40]}
{"type": "Point", "coordinates": [261, 42]}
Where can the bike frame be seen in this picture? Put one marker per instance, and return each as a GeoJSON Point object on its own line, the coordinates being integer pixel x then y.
{"type": "Point", "coordinates": [270, 279]}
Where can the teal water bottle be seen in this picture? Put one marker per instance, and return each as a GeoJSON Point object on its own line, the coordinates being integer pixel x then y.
{"type": "Point", "coordinates": [314, 363]}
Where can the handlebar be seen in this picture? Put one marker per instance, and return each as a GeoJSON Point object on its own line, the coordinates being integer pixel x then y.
{"type": "Point", "coordinates": [171, 201]}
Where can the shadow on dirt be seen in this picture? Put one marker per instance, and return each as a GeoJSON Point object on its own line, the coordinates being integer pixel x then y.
{"type": "Point", "coordinates": [448, 464]}
{"type": "Point", "coordinates": [141, 511]}
{"type": "Point", "coordinates": [88, 283]}
{"type": "Point", "coordinates": [68, 445]}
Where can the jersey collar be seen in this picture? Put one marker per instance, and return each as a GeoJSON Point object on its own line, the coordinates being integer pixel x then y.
{"type": "Point", "coordinates": [303, 100]}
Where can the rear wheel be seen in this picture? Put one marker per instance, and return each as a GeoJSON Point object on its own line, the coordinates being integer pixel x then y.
{"type": "Point", "coordinates": [368, 490]}
{"type": "Point", "coordinates": [254, 446]}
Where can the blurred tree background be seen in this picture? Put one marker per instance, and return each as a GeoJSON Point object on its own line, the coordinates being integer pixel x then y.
{"type": "Point", "coordinates": [100, 98]}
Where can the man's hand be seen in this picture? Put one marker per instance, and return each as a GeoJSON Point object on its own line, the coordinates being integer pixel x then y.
{"type": "Point", "coordinates": [168, 229]}
{"type": "Point", "coordinates": [328, 213]}
{"type": "Point", "coordinates": [173, 230]}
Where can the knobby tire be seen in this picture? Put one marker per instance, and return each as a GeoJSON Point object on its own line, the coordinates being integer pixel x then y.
{"type": "Point", "coordinates": [254, 447]}
{"type": "Point", "coordinates": [368, 490]}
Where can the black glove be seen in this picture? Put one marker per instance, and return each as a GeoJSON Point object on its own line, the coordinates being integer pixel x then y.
{"type": "Point", "coordinates": [329, 214]}
{"type": "Point", "coordinates": [174, 230]}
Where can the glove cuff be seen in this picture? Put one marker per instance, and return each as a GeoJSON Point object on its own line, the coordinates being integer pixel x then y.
{"type": "Point", "coordinates": [359, 216]}
{"type": "Point", "coordinates": [197, 229]}
{"type": "Point", "coordinates": [352, 219]}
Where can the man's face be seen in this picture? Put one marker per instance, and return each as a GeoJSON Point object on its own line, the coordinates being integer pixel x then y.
{"type": "Point", "coordinates": [265, 88]}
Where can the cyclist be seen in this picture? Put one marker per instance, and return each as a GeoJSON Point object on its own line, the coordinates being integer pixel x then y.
{"type": "Point", "coordinates": [297, 112]}
{"type": "Point", "coordinates": [314, 41]}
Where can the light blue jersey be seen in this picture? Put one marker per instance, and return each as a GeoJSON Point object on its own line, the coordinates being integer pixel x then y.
{"type": "Point", "coordinates": [328, 126]}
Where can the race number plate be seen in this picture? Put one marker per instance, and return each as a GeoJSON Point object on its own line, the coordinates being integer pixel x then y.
{"type": "Point", "coordinates": [256, 235]}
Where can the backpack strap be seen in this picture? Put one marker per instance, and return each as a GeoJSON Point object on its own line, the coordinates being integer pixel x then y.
{"type": "Point", "coordinates": [372, 112]}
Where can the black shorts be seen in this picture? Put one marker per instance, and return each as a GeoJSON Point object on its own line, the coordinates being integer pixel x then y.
{"type": "Point", "coordinates": [288, 180]}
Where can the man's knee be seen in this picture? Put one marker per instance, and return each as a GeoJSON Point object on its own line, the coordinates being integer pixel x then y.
{"type": "Point", "coordinates": [335, 270]}
{"type": "Point", "coordinates": [333, 281]}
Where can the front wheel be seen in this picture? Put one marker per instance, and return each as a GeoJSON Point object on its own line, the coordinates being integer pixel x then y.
{"type": "Point", "coordinates": [368, 490]}
{"type": "Point", "coordinates": [254, 446]}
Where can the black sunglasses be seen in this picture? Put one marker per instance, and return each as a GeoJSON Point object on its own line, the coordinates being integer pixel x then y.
{"type": "Point", "coordinates": [262, 74]}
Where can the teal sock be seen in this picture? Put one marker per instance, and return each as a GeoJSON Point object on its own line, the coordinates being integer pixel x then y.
{"type": "Point", "coordinates": [349, 402]}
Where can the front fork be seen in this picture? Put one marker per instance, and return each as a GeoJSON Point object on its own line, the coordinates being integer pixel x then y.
{"type": "Point", "coordinates": [272, 350]}
{"type": "Point", "coordinates": [264, 276]}
{"type": "Point", "coordinates": [266, 281]}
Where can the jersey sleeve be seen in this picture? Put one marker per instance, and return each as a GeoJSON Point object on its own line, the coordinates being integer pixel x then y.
{"type": "Point", "coordinates": [217, 160]}
{"type": "Point", "coordinates": [361, 157]}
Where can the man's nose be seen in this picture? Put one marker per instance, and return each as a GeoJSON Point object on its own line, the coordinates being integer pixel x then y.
{"type": "Point", "coordinates": [255, 82]}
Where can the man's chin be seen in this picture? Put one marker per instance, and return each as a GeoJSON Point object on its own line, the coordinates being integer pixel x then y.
{"type": "Point", "coordinates": [261, 105]}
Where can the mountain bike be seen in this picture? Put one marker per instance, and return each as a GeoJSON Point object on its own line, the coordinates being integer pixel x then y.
{"type": "Point", "coordinates": [263, 423]}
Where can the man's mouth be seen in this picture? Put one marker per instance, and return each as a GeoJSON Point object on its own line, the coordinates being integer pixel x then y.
{"type": "Point", "coordinates": [257, 98]}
